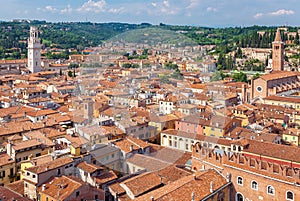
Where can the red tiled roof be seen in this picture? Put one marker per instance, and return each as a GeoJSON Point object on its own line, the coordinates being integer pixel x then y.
{"type": "Point", "coordinates": [26, 144]}
{"type": "Point", "coordinates": [5, 160]}
{"type": "Point", "coordinates": [50, 165]}
{"type": "Point", "coordinates": [182, 189]}
{"type": "Point", "coordinates": [89, 168]}
{"type": "Point", "coordinates": [8, 195]}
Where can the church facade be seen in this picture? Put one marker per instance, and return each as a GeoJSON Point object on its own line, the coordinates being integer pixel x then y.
{"type": "Point", "coordinates": [276, 80]}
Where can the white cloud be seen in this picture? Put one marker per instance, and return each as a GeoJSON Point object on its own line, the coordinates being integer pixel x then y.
{"type": "Point", "coordinates": [50, 8]}
{"type": "Point", "coordinates": [166, 3]}
{"type": "Point", "coordinates": [116, 10]}
{"type": "Point", "coordinates": [258, 15]}
{"type": "Point", "coordinates": [93, 6]}
{"type": "Point", "coordinates": [192, 4]}
{"type": "Point", "coordinates": [282, 12]}
{"type": "Point", "coordinates": [275, 13]}
{"type": "Point", "coordinates": [188, 14]}
{"type": "Point", "coordinates": [68, 9]}
{"type": "Point", "coordinates": [211, 9]}
{"type": "Point", "coordinates": [163, 7]}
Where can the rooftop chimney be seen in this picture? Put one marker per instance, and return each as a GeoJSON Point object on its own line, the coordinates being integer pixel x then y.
{"type": "Point", "coordinates": [193, 196]}
{"type": "Point", "coordinates": [211, 187]}
{"type": "Point", "coordinates": [131, 147]}
{"type": "Point", "coordinates": [43, 187]}
{"type": "Point", "coordinates": [228, 177]}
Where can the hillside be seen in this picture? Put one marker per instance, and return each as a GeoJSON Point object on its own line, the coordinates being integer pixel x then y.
{"type": "Point", "coordinates": [78, 35]}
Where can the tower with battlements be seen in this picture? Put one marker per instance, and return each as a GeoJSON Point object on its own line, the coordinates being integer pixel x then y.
{"type": "Point", "coordinates": [34, 51]}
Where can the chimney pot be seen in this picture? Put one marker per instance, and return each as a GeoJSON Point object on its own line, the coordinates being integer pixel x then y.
{"type": "Point", "coordinates": [211, 187]}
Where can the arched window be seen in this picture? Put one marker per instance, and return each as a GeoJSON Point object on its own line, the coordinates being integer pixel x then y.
{"type": "Point", "coordinates": [239, 197]}
{"type": "Point", "coordinates": [254, 185]}
{"type": "Point", "coordinates": [271, 190]}
{"type": "Point", "coordinates": [290, 195]}
{"type": "Point", "coordinates": [239, 180]}
{"type": "Point", "coordinates": [221, 196]}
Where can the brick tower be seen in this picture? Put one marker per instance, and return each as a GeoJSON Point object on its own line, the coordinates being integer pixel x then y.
{"type": "Point", "coordinates": [277, 53]}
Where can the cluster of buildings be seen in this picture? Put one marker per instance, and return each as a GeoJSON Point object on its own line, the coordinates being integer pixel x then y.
{"type": "Point", "coordinates": [123, 134]}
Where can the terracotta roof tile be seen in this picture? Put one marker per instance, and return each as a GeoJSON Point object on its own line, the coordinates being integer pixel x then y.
{"type": "Point", "coordinates": [26, 144]}
{"type": "Point", "coordinates": [5, 159]}
{"type": "Point", "coordinates": [89, 168]}
{"type": "Point", "coordinates": [8, 195]}
{"type": "Point", "coordinates": [147, 181]}
{"type": "Point", "coordinates": [182, 189]}
{"type": "Point", "coordinates": [66, 186]}
{"type": "Point", "coordinates": [284, 152]}
{"type": "Point", "coordinates": [106, 177]}
{"type": "Point", "coordinates": [17, 186]}
{"type": "Point", "coordinates": [50, 165]}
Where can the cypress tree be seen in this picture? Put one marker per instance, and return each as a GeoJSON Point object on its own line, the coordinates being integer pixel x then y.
{"type": "Point", "coordinates": [296, 41]}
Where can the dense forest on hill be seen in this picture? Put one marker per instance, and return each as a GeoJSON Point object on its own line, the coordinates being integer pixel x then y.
{"type": "Point", "coordinates": [78, 35]}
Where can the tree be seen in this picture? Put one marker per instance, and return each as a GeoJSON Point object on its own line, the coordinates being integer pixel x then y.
{"type": "Point", "coordinates": [267, 61]}
{"type": "Point", "coordinates": [240, 77]}
{"type": "Point", "coordinates": [73, 65]}
{"type": "Point", "coordinates": [218, 75]}
{"type": "Point", "coordinates": [296, 41]}
{"type": "Point", "coordinates": [171, 66]}
{"type": "Point", "coordinates": [70, 74]}
{"type": "Point", "coordinates": [164, 79]}
{"type": "Point", "coordinates": [221, 61]}
{"type": "Point", "coordinates": [257, 75]}
{"type": "Point", "coordinates": [239, 53]}
{"type": "Point", "coordinates": [145, 52]}
{"type": "Point", "coordinates": [177, 75]}
{"type": "Point", "coordinates": [74, 73]}
{"type": "Point", "coordinates": [60, 72]}
{"type": "Point", "coordinates": [135, 65]}
{"type": "Point", "coordinates": [126, 65]}
{"type": "Point", "coordinates": [286, 58]}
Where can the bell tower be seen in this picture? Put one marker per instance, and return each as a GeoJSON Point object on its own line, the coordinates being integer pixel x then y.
{"type": "Point", "coordinates": [34, 51]}
{"type": "Point", "coordinates": [278, 53]}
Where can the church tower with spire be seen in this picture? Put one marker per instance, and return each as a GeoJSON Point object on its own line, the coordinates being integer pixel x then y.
{"type": "Point", "coordinates": [278, 53]}
{"type": "Point", "coordinates": [34, 51]}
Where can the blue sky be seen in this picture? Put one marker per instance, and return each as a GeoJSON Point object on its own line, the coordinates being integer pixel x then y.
{"type": "Point", "coordinates": [212, 13]}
